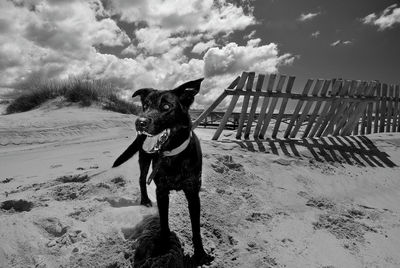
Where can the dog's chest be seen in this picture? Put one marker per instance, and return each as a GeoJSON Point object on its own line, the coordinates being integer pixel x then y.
{"type": "Point", "coordinates": [176, 174]}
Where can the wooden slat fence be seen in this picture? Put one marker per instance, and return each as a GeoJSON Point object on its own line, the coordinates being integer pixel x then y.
{"type": "Point", "coordinates": [324, 107]}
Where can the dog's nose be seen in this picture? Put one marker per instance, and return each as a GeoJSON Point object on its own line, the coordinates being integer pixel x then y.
{"type": "Point", "coordinates": [142, 123]}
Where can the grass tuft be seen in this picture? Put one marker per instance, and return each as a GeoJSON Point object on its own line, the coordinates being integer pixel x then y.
{"type": "Point", "coordinates": [85, 92]}
{"type": "Point", "coordinates": [118, 105]}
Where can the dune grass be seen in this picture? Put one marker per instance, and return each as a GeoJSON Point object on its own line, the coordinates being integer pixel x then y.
{"type": "Point", "coordinates": [85, 92]}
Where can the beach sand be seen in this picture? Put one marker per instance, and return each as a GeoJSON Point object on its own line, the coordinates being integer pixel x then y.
{"type": "Point", "coordinates": [320, 203]}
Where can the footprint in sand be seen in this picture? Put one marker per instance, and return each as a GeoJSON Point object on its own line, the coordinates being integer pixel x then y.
{"type": "Point", "coordinates": [56, 166]}
{"type": "Point", "coordinates": [86, 159]}
{"type": "Point", "coordinates": [118, 202]}
{"type": "Point", "coordinates": [16, 205]}
{"type": "Point", "coordinates": [67, 239]}
{"type": "Point", "coordinates": [6, 180]}
{"type": "Point", "coordinates": [91, 167]}
{"type": "Point", "coordinates": [53, 226]}
{"type": "Point", "coordinates": [225, 163]}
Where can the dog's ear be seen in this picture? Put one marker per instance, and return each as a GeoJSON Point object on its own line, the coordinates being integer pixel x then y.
{"type": "Point", "coordinates": [187, 91]}
{"type": "Point", "coordinates": [143, 93]}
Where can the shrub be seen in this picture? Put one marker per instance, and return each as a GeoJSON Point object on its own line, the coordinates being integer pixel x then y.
{"type": "Point", "coordinates": [82, 91]}
{"type": "Point", "coordinates": [29, 101]}
{"type": "Point", "coordinates": [118, 105]}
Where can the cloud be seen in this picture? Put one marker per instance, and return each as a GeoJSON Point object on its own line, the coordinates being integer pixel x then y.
{"type": "Point", "coordinates": [342, 43]}
{"type": "Point", "coordinates": [309, 16]}
{"type": "Point", "coordinates": [315, 34]}
{"type": "Point", "coordinates": [387, 19]}
{"type": "Point", "coordinates": [210, 16]}
{"type": "Point", "coordinates": [233, 58]}
{"type": "Point", "coordinates": [250, 35]}
{"type": "Point", "coordinates": [336, 43]}
{"type": "Point", "coordinates": [49, 39]}
{"type": "Point", "coordinates": [130, 50]}
{"type": "Point", "coordinates": [202, 47]}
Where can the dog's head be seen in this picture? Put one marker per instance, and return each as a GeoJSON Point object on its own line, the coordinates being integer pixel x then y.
{"type": "Point", "coordinates": [166, 111]}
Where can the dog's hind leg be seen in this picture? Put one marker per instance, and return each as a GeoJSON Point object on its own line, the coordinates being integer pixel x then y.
{"type": "Point", "coordinates": [144, 163]}
{"type": "Point", "coordinates": [200, 256]}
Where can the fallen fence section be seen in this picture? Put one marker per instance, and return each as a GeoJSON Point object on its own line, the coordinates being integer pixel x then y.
{"type": "Point", "coordinates": [324, 107]}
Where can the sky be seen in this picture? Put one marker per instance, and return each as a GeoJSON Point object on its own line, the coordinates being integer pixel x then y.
{"type": "Point", "coordinates": [157, 43]}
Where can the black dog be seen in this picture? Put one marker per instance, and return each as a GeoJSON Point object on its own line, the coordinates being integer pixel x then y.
{"type": "Point", "coordinates": [165, 139]}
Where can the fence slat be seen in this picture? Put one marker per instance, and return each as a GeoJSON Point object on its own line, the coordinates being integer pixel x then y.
{"type": "Point", "coordinates": [297, 108]}
{"type": "Point", "coordinates": [370, 109]}
{"type": "Point", "coordinates": [231, 106]}
{"type": "Point", "coordinates": [260, 120]}
{"type": "Point", "coordinates": [271, 108]}
{"type": "Point", "coordinates": [254, 105]}
{"type": "Point", "coordinates": [245, 105]}
{"type": "Point", "coordinates": [358, 92]}
{"type": "Point", "coordinates": [377, 108]}
{"type": "Point", "coordinates": [365, 90]}
{"type": "Point", "coordinates": [332, 109]}
{"type": "Point", "coordinates": [307, 107]}
{"type": "Point", "coordinates": [359, 111]}
{"type": "Point", "coordinates": [206, 112]}
{"type": "Point", "coordinates": [317, 107]}
{"type": "Point", "coordinates": [389, 116]}
{"type": "Point", "coordinates": [396, 127]}
{"type": "Point", "coordinates": [283, 107]}
{"type": "Point", "coordinates": [339, 109]}
{"type": "Point", "coordinates": [383, 107]}
{"type": "Point", "coordinates": [322, 118]}
{"type": "Point", "coordinates": [344, 117]}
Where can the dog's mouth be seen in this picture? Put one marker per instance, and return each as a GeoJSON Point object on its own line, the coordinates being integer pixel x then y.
{"type": "Point", "coordinates": [153, 143]}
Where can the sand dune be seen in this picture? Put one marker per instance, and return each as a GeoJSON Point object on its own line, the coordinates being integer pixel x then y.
{"type": "Point", "coordinates": [326, 203]}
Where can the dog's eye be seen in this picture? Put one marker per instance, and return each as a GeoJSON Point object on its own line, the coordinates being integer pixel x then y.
{"type": "Point", "coordinates": [166, 107]}
{"type": "Point", "coordinates": [145, 106]}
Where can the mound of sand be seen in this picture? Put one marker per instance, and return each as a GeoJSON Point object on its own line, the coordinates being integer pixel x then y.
{"type": "Point", "coordinates": [326, 203]}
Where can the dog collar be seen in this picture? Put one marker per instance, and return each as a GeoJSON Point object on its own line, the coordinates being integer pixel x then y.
{"type": "Point", "coordinates": [178, 149]}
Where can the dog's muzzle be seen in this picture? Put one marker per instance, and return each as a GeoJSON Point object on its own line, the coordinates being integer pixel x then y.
{"type": "Point", "coordinates": [142, 124]}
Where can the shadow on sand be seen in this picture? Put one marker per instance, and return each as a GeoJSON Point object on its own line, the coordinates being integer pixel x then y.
{"type": "Point", "coordinates": [354, 150]}
{"type": "Point", "coordinates": [150, 252]}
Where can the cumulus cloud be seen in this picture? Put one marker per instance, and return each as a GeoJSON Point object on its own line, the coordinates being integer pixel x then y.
{"type": "Point", "coordinates": [130, 50]}
{"type": "Point", "coordinates": [386, 19]}
{"type": "Point", "coordinates": [336, 43]}
{"type": "Point", "coordinates": [233, 58]}
{"type": "Point", "coordinates": [250, 35]}
{"type": "Point", "coordinates": [201, 46]}
{"type": "Point", "coordinates": [309, 16]}
{"type": "Point", "coordinates": [192, 15]}
{"type": "Point", "coordinates": [315, 34]}
{"type": "Point", "coordinates": [341, 43]}
{"type": "Point", "coordinates": [49, 39]}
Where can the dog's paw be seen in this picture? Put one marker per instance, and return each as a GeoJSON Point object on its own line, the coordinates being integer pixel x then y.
{"type": "Point", "coordinates": [202, 259]}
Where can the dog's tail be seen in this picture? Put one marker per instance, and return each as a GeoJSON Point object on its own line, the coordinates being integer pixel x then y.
{"type": "Point", "coordinates": [130, 151]}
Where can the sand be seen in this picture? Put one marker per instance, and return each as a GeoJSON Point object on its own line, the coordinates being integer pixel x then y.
{"type": "Point", "coordinates": [319, 203]}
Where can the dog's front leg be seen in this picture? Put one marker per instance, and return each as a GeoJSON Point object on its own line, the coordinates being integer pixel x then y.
{"type": "Point", "coordinates": [200, 256]}
{"type": "Point", "coordinates": [144, 164]}
{"type": "Point", "coordinates": [163, 205]}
